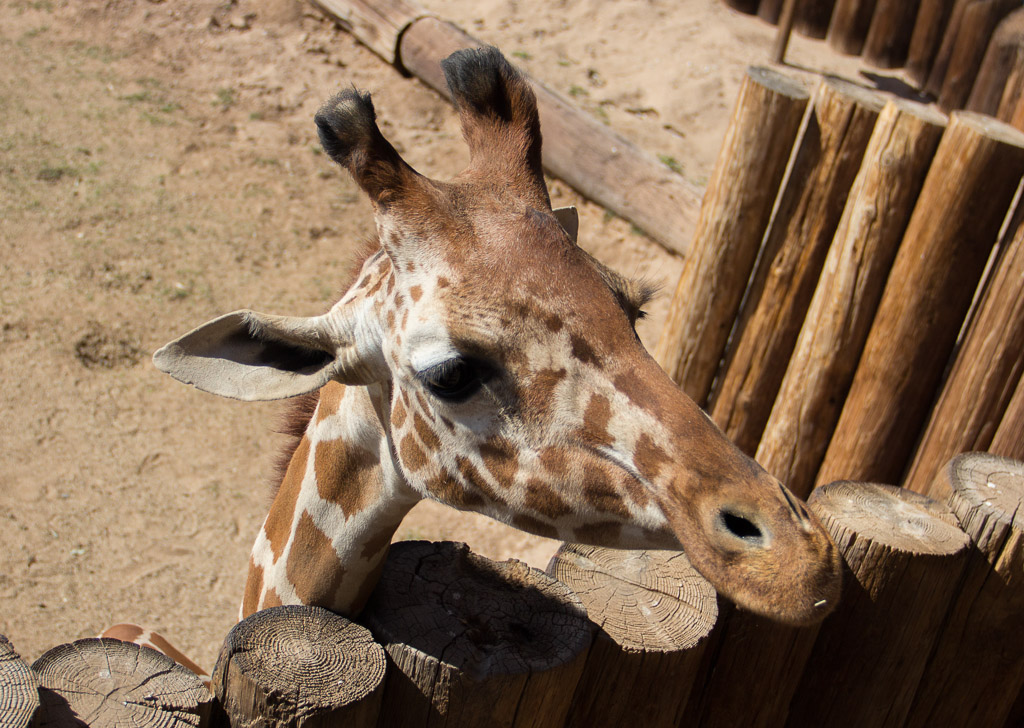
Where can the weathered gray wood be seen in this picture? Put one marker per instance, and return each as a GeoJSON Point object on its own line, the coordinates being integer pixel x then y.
{"type": "Point", "coordinates": [19, 688]}
{"type": "Point", "coordinates": [825, 163]}
{"type": "Point", "coordinates": [299, 666]}
{"type": "Point", "coordinates": [821, 368]}
{"type": "Point", "coordinates": [107, 682]}
{"type": "Point", "coordinates": [734, 214]}
{"type": "Point", "coordinates": [955, 223]}
{"type": "Point", "coordinates": [905, 554]}
{"type": "Point", "coordinates": [378, 24]}
{"type": "Point", "coordinates": [975, 674]}
{"type": "Point", "coordinates": [472, 642]}
{"type": "Point", "coordinates": [655, 613]}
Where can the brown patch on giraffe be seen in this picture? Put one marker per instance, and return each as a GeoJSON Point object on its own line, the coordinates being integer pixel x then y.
{"type": "Point", "coordinates": [637, 392]}
{"type": "Point", "coordinates": [415, 293]}
{"type": "Point", "coordinates": [649, 457]}
{"type": "Point", "coordinates": [427, 436]}
{"type": "Point", "coordinates": [399, 298]}
{"type": "Point", "coordinates": [443, 282]}
{"type": "Point", "coordinates": [376, 286]}
{"type": "Point", "coordinates": [412, 454]}
{"type": "Point", "coordinates": [595, 421]}
{"type": "Point", "coordinates": [271, 599]}
{"type": "Point", "coordinates": [293, 425]}
{"type": "Point", "coordinates": [331, 395]}
{"type": "Point", "coordinates": [600, 492]}
{"type": "Point", "coordinates": [391, 286]}
{"type": "Point", "coordinates": [391, 320]}
{"type": "Point", "coordinates": [344, 475]}
{"type": "Point", "coordinates": [398, 414]}
{"type": "Point", "coordinates": [278, 526]}
{"type": "Point", "coordinates": [405, 397]}
{"type": "Point", "coordinates": [541, 497]}
{"type": "Point", "coordinates": [601, 534]}
{"type": "Point", "coordinates": [582, 351]}
{"type": "Point", "coordinates": [554, 322]}
{"type": "Point", "coordinates": [405, 319]}
{"type": "Point", "coordinates": [533, 525]}
{"type": "Point", "coordinates": [253, 589]}
{"type": "Point", "coordinates": [448, 423]}
{"type": "Point", "coordinates": [445, 488]}
{"type": "Point", "coordinates": [422, 402]}
{"type": "Point", "coordinates": [313, 566]}
{"type": "Point", "coordinates": [538, 396]}
{"type": "Point", "coordinates": [501, 460]}
{"type": "Point", "coordinates": [554, 461]}
{"type": "Point", "coordinates": [474, 479]}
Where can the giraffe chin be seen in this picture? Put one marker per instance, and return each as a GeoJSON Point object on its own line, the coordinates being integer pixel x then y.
{"type": "Point", "coordinates": [776, 561]}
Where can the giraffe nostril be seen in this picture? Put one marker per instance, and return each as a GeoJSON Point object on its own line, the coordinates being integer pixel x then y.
{"type": "Point", "coordinates": [740, 527]}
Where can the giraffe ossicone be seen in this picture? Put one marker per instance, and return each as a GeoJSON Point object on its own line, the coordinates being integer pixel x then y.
{"type": "Point", "coordinates": [482, 359]}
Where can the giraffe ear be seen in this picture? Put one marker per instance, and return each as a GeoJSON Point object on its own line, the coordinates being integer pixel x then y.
{"type": "Point", "coordinates": [252, 356]}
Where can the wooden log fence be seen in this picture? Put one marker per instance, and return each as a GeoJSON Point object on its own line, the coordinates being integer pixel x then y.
{"type": "Point", "coordinates": [929, 631]}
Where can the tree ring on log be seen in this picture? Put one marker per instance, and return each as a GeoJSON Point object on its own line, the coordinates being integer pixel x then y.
{"type": "Point", "coordinates": [992, 483]}
{"type": "Point", "coordinates": [19, 688]}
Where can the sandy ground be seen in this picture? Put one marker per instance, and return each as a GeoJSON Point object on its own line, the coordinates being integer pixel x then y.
{"type": "Point", "coordinates": [158, 167]}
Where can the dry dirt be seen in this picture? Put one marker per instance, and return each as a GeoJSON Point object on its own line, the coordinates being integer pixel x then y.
{"type": "Point", "coordinates": [158, 167]}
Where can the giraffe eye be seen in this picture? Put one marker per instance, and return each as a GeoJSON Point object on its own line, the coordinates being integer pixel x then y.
{"type": "Point", "coordinates": [455, 380]}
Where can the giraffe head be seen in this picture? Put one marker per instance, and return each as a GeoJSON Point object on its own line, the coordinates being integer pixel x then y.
{"type": "Point", "coordinates": [510, 378]}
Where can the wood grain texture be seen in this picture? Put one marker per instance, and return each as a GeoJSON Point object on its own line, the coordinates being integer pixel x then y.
{"type": "Point", "coordinates": [932, 82]}
{"type": "Point", "coordinates": [905, 554]}
{"type": "Point", "coordinates": [812, 18]}
{"type": "Point", "coordinates": [1008, 440]}
{"type": "Point", "coordinates": [977, 671]}
{"type": "Point", "coordinates": [378, 24]}
{"type": "Point", "coordinates": [19, 688]}
{"type": "Point", "coordinates": [951, 233]}
{"type": "Point", "coordinates": [654, 613]}
{"type": "Point", "coordinates": [981, 382]}
{"type": "Point", "coordinates": [848, 290]}
{"type": "Point", "coordinates": [825, 163]}
{"type": "Point", "coordinates": [977, 24]}
{"type": "Point", "coordinates": [107, 682]}
{"type": "Point", "coordinates": [997, 86]}
{"type": "Point", "coordinates": [299, 666]}
{"type": "Point", "coordinates": [888, 38]}
{"type": "Point", "coordinates": [929, 28]}
{"type": "Point", "coordinates": [734, 214]}
{"type": "Point", "coordinates": [851, 20]}
{"type": "Point", "coordinates": [578, 149]}
{"type": "Point", "coordinates": [769, 10]}
{"type": "Point", "coordinates": [472, 642]}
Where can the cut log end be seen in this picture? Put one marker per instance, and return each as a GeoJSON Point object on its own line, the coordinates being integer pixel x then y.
{"type": "Point", "coordinates": [990, 127]}
{"type": "Point", "coordinates": [892, 517]}
{"type": "Point", "coordinates": [778, 82]}
{"type": "Point", "coordinates": [305, 663]}
{"type": "Point", "coordinates": [109, 682]}
{"type": "Point", "coordinates": [644, 600]}
{"type": "Point", "coordinates": [19, 688]}
{"type": "Point", "coordinates": [992, 484]}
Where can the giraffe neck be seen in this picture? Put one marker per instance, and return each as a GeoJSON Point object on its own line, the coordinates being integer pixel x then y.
{"type": "Point", "coordinates": [325, 538]}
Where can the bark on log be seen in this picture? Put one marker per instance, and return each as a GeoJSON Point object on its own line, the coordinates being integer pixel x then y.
{"type": "Point", "coordinates": [979, 21]}
{"type": "Point", "coordinates": [977, 670]}
{"type": "Point", "coordinates": [734, 214]}
{"type": "Point", "coordinates": [954, 226]}
{"type": "Point", "coordinates": [997, 88]}
{"type": "Point", "coordinates": [851, 21]}
{"type": "Point", "coordinates": [981, 382]}
{"type": "Point", "coordinates": [1009, 438]}
{"type": "Point", "coordinates": [586, 154]}
{"type": "Point", "coordinates": [838, 320]}
{"type": "Point", "coordinates": [769, 10]}
{"type": "Point", "coordinates": [100, 681]}
{"type": "Point", "coordinates": [825, 163]}
{"type": "Point", "coordinates": [299, 666]}
{"type": "Point", "coordinates": [473, 642]}
{"type": "Point", "coordinates": [932, 17]}
{"type": "Point", "coordinates": [812, 17]}
{"type": "Point", "coordinates": [905, 554]}
{"type": "Point", "coordinates": [932, 84]}
{"type": "Point", "coordinates": [654, 613]}
{"type": "Point", "coordinates": [888, 38]}
{"type": "Point", "coordinates": [19, 688]}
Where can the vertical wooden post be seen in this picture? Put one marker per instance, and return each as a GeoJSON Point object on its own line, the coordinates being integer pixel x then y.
{"type": "Point", "coordinates": [851, 20]}
{"type": "Point", "coordinates": [979, 21]}
{"type": "Point", "coordinates": [888, 38]}
{"type": "Point", "coordinates": [980, 384]}
{"type": "Point", "coordinates": [977, 669]}
{"type": "Point", "coordinates": [839, 317]}
{"type": "Point", "coordinates": [769, 10]}
{"type": "Point", "coordinates": [813, 16]}
{"type": "Point", "coordinates": [19, 688]}
{"type": "Point", "coordinates": [932, 83]}
{"type": "Point", "coordinates": [654, 613]}
{"type": "Point", "coordinates": [786, 18]}
{"type": "Point", "coordinates": [811, 202]}
{"type": "Point", "coordinates": [905, 555]}
{"type": "Point", "coordinates": [955, 223]}
{"type": "Point", "coordinates": [1009, 438]}
{"type": "Point", "coordinates": [998, 83]}
{"type": "Point", "coordinates": [472, 642]}
{"type": "Point", "coordinates": [744, 6]}
{"type": "Point", "coordinates": [932, 17]}
{"type": "Point", "coordinates": [734, 214]}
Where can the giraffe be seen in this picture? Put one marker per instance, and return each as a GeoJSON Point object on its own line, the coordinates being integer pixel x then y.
{"type": "Point", "coordinates": [482, 359]}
